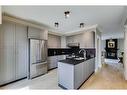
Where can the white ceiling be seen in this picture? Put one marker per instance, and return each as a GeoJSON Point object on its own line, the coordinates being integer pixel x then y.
{"type": "Point", "coordinates": [106, 17]}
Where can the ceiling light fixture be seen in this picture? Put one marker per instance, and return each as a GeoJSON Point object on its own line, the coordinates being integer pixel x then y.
{"type": "Point", "coordinates": [56, 24]}
{"type": "Point", "coordinates": [81, 25]}
{"type": "Point", "coordinates": [67, 14]}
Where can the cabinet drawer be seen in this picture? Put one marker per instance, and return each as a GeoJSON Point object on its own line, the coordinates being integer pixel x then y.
{"type": "Point", "coordinates": [52, 62]}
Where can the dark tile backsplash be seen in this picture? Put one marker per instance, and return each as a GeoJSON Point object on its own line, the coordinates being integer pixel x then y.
{"type": "Point", "coordinates": [58, 51]}
{"type": "Point", "coordinates": [65, 51]}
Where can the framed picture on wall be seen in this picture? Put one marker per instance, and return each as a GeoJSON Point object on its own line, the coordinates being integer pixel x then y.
{"type": "Point", "coordinates": [111, 44]}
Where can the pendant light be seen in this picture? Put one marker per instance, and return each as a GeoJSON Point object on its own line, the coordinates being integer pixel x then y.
{"type": "Point", "coordinates": [81, 25]}
{"type": "Point", "coordinates": [67, 14]}
{"type": "Point", "coordinates": [56, 24]}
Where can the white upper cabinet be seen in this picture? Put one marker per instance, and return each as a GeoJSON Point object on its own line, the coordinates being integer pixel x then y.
{"type": "Point", "coordinates": [54, 41]}
{"type": "Point", "coordinates": [70, 39]}
{"type": "Point", "coordinates": [37, 33]}
{"type": "Point", "coordinates": [86, 39]}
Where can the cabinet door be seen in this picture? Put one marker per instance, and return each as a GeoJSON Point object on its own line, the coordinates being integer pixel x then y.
{"type": "Point", "coordinates": [54, 41]}
{"type": "Point", "coordinates": [93, 64]}
{"type": "Point", "coordinates": [87, 68]}
{"type": "Point", "coordinates": [90, 66]}
{"type": "Point", "coordinates": [84, 71]}
{"type": "Point", "coordinates": [61, 57]}
{"type": "Point", "coordinates": [34, 33]}
{"type": "Point", "coordinates": [21, 51]}
{"type": "Point", "coordinates": [52, 62]}
{"type": "Point", "coordinates": [78, 75]}
{"type": "Point", "coordinates": [7, 52]}
{"type": "Point", "coordinates": [70, 39]}
{"type": "Point", "coordinates": [55, 61]}
{"type": "Point", "coordinates": [75, 39]}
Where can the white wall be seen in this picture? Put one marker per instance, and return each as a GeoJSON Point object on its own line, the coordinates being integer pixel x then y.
{"type": "Point", "coordinates": [112, 35]}
{"type": "Point", "coordinates": [98, 50]}
{"type": "Point", "coordinates": [0, 16]}
{"type": "Point", "coordinates": [120, 46]}
{"type": "Point", "coordinates": [113, 32]}
{"type": "Point", "coordinates": [103, 45]}
{"type": "Point", "coordinates": [125, 54]}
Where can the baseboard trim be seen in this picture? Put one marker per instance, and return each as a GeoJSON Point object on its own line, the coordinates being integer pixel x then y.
{"type": "Point", "coordinates": [62, 86]}
{"type": "Point", "coordinates": [52, 69]}
{"type": "Point", "coordinates": [12, 82]}
{"type": "Point", "coordinates": [79, 86]}
{"type": "Point", "coordinates": [38, 75]}
{"type": "Point", "coordinates": [86, 80]}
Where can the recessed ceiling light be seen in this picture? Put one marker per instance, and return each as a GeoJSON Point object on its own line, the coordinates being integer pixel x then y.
{"type": "Point", "coordinates": [67, 14]}
{"type": "Point", "coordinates": [56, 24]}
{"type": "Point", "coordinates": [81, 25]}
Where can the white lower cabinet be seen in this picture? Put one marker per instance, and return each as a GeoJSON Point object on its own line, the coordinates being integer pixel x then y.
{"type": "Point", "coordinates": [78, 75]}
{"type": "Point", "coordinates": [72, 76]}
{"type": "Point", "coordinates": [66, 75]}
{"type": "Point", "coordinates": [93, 65]}
{"type": "Point", "coordinates": [88, 67]}
{"type": "Point", "coordinates": [61, 57]}
{"type": "Point", "coordinates": [53, 61]}
{"type": "Point", "coordinates": [84, 71]}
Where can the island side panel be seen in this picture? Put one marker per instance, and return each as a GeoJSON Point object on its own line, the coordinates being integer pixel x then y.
{"type": "Point", "coordinates": [78, 75]}
{"type": "Point", "coordinates": [66, 75]}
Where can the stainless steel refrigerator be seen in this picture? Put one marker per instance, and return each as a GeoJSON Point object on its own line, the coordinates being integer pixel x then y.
{"type": "Point", "coordinates": [37, 57]}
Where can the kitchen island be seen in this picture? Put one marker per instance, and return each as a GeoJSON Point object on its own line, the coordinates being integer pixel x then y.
{"type": "Point", "coordinates": [73, 73]}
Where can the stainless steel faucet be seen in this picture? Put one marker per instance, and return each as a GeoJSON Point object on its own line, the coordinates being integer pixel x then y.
{"type": "Point", "coordinates": [84, 52]}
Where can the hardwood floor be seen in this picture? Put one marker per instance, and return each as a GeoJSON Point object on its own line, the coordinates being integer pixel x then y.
{"type": "Point", "coordinates": [110, 76]}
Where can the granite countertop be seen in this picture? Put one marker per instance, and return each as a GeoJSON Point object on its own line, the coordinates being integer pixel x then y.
{"type": "Point", "coordinates": [73, 61]}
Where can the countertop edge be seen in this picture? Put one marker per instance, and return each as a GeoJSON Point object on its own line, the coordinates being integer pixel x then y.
{"type": "Point", "coordinates": [75, 63]}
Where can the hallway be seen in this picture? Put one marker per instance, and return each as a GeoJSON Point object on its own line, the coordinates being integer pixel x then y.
{"type": "Point", "coordinates": [110, 76]}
